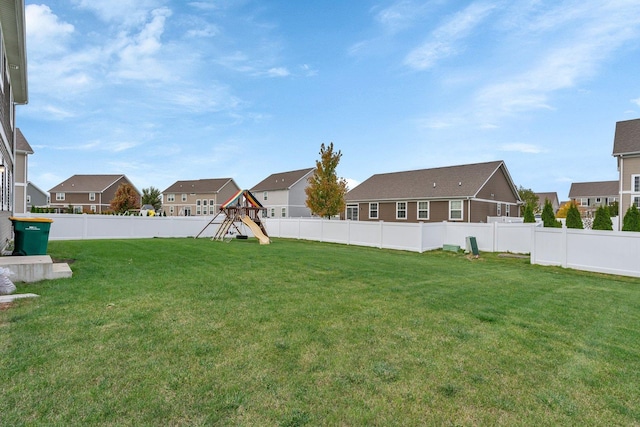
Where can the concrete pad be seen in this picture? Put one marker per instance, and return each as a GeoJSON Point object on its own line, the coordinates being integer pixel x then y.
{"type": "Point", "coordinates": [11, 298]}
{"type": "Point", "coordinates": [33, 268]}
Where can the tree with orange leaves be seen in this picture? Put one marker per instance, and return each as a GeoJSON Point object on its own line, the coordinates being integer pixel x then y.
{"type": "Point", "coordinates": [326, 192]}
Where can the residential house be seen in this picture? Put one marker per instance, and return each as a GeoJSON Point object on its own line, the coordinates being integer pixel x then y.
{"type": "Point", "coordinates": [626, 148]}
{"type": "Point", "coordinates": [87, 193]}
{"type": "Point", "coordinates": [552, 197]}
{"type": "Point", "coordinates": [23, 149]}
{"type": "Point", "coordinates": [36, 197]}
{"type": "Point", "coordinates": [13, 92]}
{"type": "Point", "coordinates": [589, 196]}
{"type": "Point", "coordinates": [283, 194]}
{"type": "Point", "coordinates": [197, 197]}
{"type": "Point", "coordinates": [466, 193]}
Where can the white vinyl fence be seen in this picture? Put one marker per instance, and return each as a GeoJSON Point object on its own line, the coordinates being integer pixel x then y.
{"type": "Point", "coordinates": [599, 251]}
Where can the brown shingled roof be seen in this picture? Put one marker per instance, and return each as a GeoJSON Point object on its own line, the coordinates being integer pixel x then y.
{"type": "Point", "coordinates": [594, 189]}
{"type": "Point", "coordinates": [627, 138]}
{"type": "Point", "coordinates": [21, 143]}
{"type": "Point", "coordinates": [86, 183]}
{"type": "Point", "coordinates": [200, 186]}
{"type": "Point", "coordinates": [444, 182]}
{"type": "Point", "coordinates": [281, 180]}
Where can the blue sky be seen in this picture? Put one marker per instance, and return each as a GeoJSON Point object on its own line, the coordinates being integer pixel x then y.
{"type": "Point", "coordinates": [166, 90]}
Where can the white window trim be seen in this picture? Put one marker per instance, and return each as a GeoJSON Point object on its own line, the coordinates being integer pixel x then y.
{"type": "Point", "coordinates": [59, 196]}
{"type": "Point", "coordinates": [635, 200]}
{"type": "Point", "coordinates": [171, 197]}
{"type": "Point", "coordinates": [461, 210]}
{"type": "Point", "coordinates": [507, 210]}
{"type": "Point", "coordinates": [418, 210]}
{"type": "Point", "coordinates": [499, 209]}
{"type": "Point", "coordinates": [633, 182]}
{"type": "Point", "coordinates": [92, 197]}
{"type": "Point", "coordinates": [283, 212]}
{"type": "Point", "coordinates": [353, 207]}
{"type": "Point", "coordinates": [184, 197]}
{"type": "Point", "coordinates": [398, 210]}
{"type": "Point", "coordinates": [377, 210]}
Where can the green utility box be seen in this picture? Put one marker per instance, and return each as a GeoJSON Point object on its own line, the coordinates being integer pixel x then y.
{"type": "Point", "coordinates": [31, 235]}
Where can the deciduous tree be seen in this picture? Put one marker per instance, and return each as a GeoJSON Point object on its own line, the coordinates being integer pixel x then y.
{"type": "Point", "coordinates": [126, 198]}
{"type": "Point", "coordinates": [529, 198]}
{"type": "Point", "coordinates": [326, 192]}
{"type": "Point", "coordinates": [151, 196]}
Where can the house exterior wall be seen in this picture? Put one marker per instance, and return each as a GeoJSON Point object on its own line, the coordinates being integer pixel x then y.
{"type": "Point", "coordinates": [193, 204]}
{"type": "Point", "coordinates": [20, 194]}
{"type": "Point", "coordinates": [38, 198]}
{"type": "Point", "coordinates": [81, 200]}
{"type": "Point", "coordinates": [629, 166]}
{"type": "Point", "coordinates": [275, 201]}
{"type": "Point", "coordinates": [298, 199]}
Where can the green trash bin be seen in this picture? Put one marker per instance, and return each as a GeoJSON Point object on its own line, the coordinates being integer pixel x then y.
{"type": "Point", "coordinates": [31, 235]}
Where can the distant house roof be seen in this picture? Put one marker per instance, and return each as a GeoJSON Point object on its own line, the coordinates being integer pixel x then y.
{"type": "Point", "coordinates": [437, 183]}
{"type": "Point", "coordinates": [22, 145]}
{"type": "Point", "coordinates": [594, 189]}
{"type": "Point", "coordinates": [552, 196]}
{"type": "Point", "coordinates": [282, 180]}
{"type": "Point", "coordinates": [36, 188]}
{"type": "Point", "coordinates": [199, 186]}
{"type": "Point", "coordinates": [627, 138]}
{"type": "Point", "coordinates": [87, 183]}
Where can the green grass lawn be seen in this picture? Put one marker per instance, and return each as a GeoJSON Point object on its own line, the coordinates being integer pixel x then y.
{"type": "Point", "coordinates": [195, 332]}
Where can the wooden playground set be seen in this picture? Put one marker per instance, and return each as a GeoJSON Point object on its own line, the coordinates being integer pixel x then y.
{"type": "Point", "coordinates": [242, 209]}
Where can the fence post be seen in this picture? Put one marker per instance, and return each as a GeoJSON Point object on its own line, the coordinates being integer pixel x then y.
{"type": "Point", "coordinates": [381, 233]}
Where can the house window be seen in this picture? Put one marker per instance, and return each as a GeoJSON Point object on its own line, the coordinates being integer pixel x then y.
{"type": "Point", "coordinates": [204, 202]}
{"type": "Point", "coordinates": [28, 198]}
{"type": "Point", "coordinates": [171, 197]}
{"type": "Point", "coordinates": [373, 210]}
{"type": "Point", "coordinates": [455, 210]}
{"type": "Point", "coordinates": [59, 196]}
{"type": "Point", "coordinates": [264, 196]}
{"type": "Point", "coordinates": [598, 200]}
{"type": "Point", "coordinates": [499, 209]}
{"type": "Point", "coordinates": [273, 213]}
{"type": "Point", "coordinates": [352, 212]}
{"type": "Point", "coordinates": [184, 197]}
{"type": "Point", "coordinates": [423, 210]}
{"type": "Point", "coordinates": [92, 197]}
{"type": "Point", "coordinates": [636, 201]}
{"type": "Point", "coordinates": [584, 201]}
{"type": "Point", "coordinates": [635, 183]}
{"type": "Point", "coordinates": [283, 213]}
{"type": "Point", "coordinates": [507, 210]}
{"type": "Point", "coordinates": [401, 210]}
{"type": "Point", "coordinates": [211, 209]}
{"type": "Point", "coordinates": [77, 209]}
{"type": "Point", "coordinates": [93, 208]}
{"type": "Point", "coordinates": [171, 211]}
{"type": "Point", "coordinates": [211, 203]}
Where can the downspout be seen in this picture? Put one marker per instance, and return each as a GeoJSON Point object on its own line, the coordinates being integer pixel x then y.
{"type": "Point", "coordinates": [469, 209]}
{"type": "Point", "coordinates": [620, 185]}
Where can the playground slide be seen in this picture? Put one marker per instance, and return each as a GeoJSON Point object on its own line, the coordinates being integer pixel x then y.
{"type": "Point", "coordinates": [255, 229]}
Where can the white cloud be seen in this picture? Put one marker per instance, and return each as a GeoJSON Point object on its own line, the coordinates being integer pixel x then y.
{"type": "Point", "coordinates": [401, 14]}
{"type": "Point", "coordinates": [46, 33]}
{"type": "Point", "coordinates": [522, 148]}
{"type": "Point", "coordinates": [446, 40]}
{"type": "Point", "coordinates": [278, 72]}
{"type": "Point", "coordinates": [636, 101]}
{"type": "Point", "coordinates": [572, 52]}
{"type": "Point", "coordinates": [124, 13]}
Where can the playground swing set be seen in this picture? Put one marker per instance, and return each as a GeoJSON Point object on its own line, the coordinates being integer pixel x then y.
{"type": "Point", "coordinates": [241, 209]}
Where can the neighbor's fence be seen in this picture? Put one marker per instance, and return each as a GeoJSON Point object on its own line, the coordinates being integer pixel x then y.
{"type": "Point", "coordinates": [599, 251]}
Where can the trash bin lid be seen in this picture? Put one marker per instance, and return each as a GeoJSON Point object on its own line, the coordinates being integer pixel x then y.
{"type": "Point", "coordinates": [13, 218]}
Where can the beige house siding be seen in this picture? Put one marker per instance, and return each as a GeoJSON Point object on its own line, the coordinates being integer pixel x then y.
{"type": "Point", "coordinates": [630, 166]}
{"type": "Point", "coordinates": [193, 203]}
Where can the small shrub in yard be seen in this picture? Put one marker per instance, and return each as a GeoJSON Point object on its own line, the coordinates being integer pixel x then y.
{"type": "Point", "coordinates": [573, 217]}
{"type": "Point", "coordinates": [602, 221]}
{"type": "Point", "coordinates": [631, 221]}
{"type": "Point", "coordinates": [528, 214]}
{"type": "Point", "coordinates": [548, 217]}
